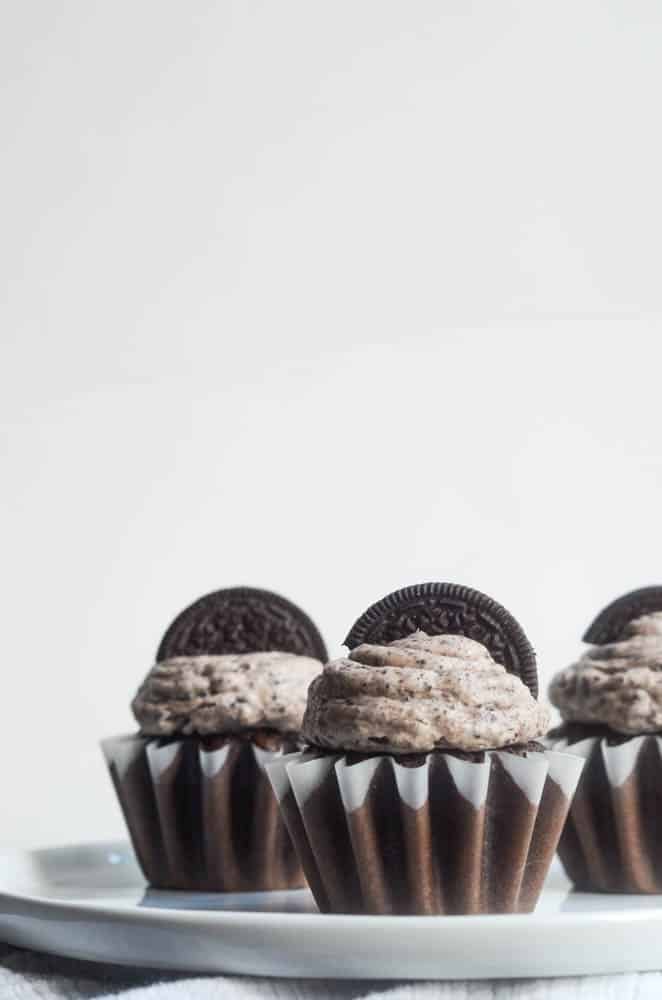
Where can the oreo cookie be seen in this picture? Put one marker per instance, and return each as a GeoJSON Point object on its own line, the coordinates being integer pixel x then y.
{"type": "Point", "coordinates": [611, 622]}
{"type": "Point", "coordinates": [449, 609]}
{"type": "Point", "coordinates": [242, 620]}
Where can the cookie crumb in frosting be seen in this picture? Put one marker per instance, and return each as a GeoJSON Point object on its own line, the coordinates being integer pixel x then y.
{"type": "Point", "coordinates": [221, 694]}
{"type": "Point", "coordinates": [421, 693]}
{"type": "Point", "coordinates": [618, 684]}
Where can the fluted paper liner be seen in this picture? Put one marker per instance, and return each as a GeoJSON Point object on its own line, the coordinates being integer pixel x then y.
{"type": "Point", "coordinates": [612, 841]}
{"type": "Point", "coordinates": [446, 836]}
{"type": "Point", "coordinates": [203, 820]}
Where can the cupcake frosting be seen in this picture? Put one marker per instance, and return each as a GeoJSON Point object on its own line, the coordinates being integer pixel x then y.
{"type": "Point", "coordinates": [420, 693]}
{"type": "Point", "coordinates": [618, 684]}
{"type": "Point", "coordinates": [223, 694]}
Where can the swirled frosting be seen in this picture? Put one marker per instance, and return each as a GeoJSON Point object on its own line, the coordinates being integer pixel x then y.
{"type": "Point", "coordinates": [421, 693]}
{"type": "Point", "coordinates": [222, 694]}
{"type": "Point", "coordinates": [618, 684]}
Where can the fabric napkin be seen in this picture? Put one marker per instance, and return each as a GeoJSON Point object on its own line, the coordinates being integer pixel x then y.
{"type": "Point", "coordinates": [26, 975]}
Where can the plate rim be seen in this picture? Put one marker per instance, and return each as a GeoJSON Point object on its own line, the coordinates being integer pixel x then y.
{"type": "Point", "coordinates": [217, 918]}
{"type": "Point", "coordinates": [304, 945]}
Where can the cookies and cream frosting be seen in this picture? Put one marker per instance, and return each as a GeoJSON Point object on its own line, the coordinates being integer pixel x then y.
{"type": "Point", "coordinates": [421, 693]}
{"type": "Point", "coordinates": [222, 694]}
{"type": "Point", "coordinates": [618, 684]}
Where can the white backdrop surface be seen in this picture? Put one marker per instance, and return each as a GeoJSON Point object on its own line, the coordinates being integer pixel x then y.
{"type": "Point", "coordinates": [326, 298]}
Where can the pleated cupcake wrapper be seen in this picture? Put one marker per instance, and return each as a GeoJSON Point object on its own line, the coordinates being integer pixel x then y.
{"type": "Point", "coordinates": [612, 841]}
{"type": "Point", "coordinates": [204, 820]}
{"type": "Point", "coordinates": [447, 836]}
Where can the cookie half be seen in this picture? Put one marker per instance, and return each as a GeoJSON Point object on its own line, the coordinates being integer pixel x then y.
{"type": "Point", "coordinates": [449, 609]}
{"type": "Point", "coordinates": [612, 620]}
{"type": "Point", "coordinates": [242, 620]}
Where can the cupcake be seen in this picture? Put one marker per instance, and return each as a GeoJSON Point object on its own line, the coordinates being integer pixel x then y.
{"type": "Point", "coordinates": [423, 788]}
{"type": "Point", "coordinates": [611, 704]}
{"type": "Point", "coordinates": [225, 697]}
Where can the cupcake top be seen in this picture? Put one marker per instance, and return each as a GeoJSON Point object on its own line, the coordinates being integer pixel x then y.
{"type": "Point", "coordinates": [420, 693]}
{"type": "Point", "coordinates": [617, 684]}
{"type": "Point", "coordinates": [222, 694]}
{"type": "Point", "coordinates": [236, 659]}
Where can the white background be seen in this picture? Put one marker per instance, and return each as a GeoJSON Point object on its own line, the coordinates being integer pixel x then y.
{"type": "Point", "coordinates": [323, 297]}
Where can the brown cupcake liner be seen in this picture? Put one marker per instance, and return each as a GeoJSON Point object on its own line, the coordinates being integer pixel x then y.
{"type": "Point", "coordinates": [611, 841]}
{"type": "Point", "coordinates": [445, 836]}
{"type": "Point", "coordinates": [203, 819]}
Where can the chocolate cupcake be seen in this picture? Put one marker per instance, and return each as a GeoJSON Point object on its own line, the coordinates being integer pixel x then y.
{"type": "Point", "coordinates": [423, 788]}
{"type": "Point", "coordinates": [225, 697]}
{"type": "Point", "coordinates": [611, 704]}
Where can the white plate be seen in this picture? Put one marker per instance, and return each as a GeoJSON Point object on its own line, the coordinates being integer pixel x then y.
{"type": "Point", "coordinates": [90, 901]}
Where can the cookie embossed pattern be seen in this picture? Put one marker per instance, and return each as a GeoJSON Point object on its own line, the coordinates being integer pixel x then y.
{"type": "Point", "coordinates": [423, 788]}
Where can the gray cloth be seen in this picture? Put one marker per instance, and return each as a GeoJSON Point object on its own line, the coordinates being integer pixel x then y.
{"type": "Point", "coordinates": [26, 975]}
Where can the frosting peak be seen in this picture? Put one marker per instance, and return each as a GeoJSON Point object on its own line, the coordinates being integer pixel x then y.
{"type": "Point", "coordinates": [421, 693]}
{"type": "Point", "coordinates": [221, 694]}
{"type": "Point", "coordinates": [618, 684]}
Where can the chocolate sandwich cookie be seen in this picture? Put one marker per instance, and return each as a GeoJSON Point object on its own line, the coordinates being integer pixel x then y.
{"type": "Point", "coordinates": [449, 609]}
{"type": "Point", "coordinates": [424, 788]}
{"type": "Point", "coordinates": [611, 623]}
{"type": "Point", "coordinates": [225, 696]}
{"type": "Point", "coordinates": [241, 620]}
